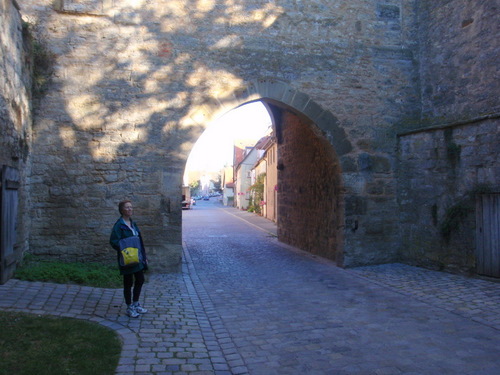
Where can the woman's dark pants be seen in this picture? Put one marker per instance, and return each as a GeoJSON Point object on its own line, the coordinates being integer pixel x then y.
{"type": "Point", "coordinates": [128, 282]}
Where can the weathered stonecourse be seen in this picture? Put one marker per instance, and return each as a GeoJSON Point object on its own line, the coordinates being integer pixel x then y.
{"type": "Point", "coordinates": [15, 137]}
{"type": "Point", "coordinates": [381, 108]}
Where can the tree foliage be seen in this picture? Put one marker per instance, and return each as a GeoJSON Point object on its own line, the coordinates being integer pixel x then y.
{"type": "Point", "coordinates": [257, 192]}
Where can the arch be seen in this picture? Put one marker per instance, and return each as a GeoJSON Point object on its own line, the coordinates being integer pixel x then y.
{"type": "Point", "coordinates": [279, 94]}
{"type": "Point", "coordinates": [323, 236]}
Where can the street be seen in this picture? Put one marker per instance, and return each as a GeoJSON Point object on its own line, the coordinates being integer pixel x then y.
{"type": "Point", "coordinates": [287, 312]}
{"type": "Point", "coordinates": [246, 304]}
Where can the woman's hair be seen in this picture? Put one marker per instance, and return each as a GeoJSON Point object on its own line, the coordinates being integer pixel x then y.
{"type": "Point", "coordinates": [121, 205]}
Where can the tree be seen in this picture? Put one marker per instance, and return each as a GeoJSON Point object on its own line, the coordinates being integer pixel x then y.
{"type": "Point", "coordinates": [195, 188]}
{"type": "Point", "coordinates": [257, 191]}
{"type": "Point", "coordinates": [217, 183]}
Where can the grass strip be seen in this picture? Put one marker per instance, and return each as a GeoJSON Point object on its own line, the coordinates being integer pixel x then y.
{"type": "Point", "coordinates": [90, 274]}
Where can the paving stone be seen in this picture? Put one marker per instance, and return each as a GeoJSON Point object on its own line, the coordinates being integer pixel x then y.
{"type": "Point", "coordinates": [286, 312]}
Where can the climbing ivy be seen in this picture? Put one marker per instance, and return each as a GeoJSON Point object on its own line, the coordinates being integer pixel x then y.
{"type": "Point", "coordinates": [458, 212]}
{"type": "Point", "coordinates": [42, 58]}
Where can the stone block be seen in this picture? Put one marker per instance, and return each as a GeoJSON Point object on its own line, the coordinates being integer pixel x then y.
{"type": "Point", "coordinates": [348, 164]}
{"type": "Point", "coordinates": [381, 164]}
{"type": "Point", "coordinates": [388, 11]}
{"type": "Point", "coordinates": [313, 110]}
{"type": "Point", "coordinates": [276, 90]}
{"type": "Point", "coordinates": [365, 162]}
{"type": "Point", "coordinates": [355, 205]}
{"type": "Point", "coordinates": [300, 101]}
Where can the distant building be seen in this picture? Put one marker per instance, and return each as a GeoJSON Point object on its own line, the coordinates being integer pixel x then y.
{"type": "Point", "coordinates": [242, 177]}
{"type": "Point", "coordinates": [266, 165]}
{"type": "Point", "coordinates": [242, 147]}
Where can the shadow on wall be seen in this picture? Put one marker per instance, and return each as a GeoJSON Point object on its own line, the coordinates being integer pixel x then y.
{"type": "Point", "coordinates": [116, 121]}
{"type": "Point", "coordinates": [136, 84]}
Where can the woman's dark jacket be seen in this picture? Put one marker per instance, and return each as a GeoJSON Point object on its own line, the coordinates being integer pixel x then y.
{"type": "Point", "coordinates": [121, 230]}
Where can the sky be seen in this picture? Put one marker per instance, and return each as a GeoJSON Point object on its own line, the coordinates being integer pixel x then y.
{"type": "Point", "coordinates": [214, 148]}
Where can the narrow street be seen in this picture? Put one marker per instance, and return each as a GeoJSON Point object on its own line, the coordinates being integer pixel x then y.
{"type": "Point", "coordinates": [287, 312]}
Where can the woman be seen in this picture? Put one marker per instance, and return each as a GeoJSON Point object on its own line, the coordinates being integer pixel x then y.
{"type": "Point", "coordinates": [123, 228]}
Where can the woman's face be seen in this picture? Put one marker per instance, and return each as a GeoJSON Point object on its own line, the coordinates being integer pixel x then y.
{"type": "Point", "coordinates": [127, 210]}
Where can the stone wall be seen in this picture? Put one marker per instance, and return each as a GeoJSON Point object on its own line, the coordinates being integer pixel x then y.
{"type": "Point", "coordinates": [459, 59]}
{"type": "Point", "coordinates": [310, 190]}
{"type": "Point", "coordinates": [441, 171]}
{"type": "Point", "coordinates": [403, 92]}
{"type": "Point", "coordinates": [457, 151]}
{"type": "Point", "coordinates": [15, 109]}
{"type": "Point", "coordinates": [136, 82]}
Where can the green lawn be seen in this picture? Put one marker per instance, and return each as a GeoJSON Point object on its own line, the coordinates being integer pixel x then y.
{"type": "Point", "coordinates": [31, 344]}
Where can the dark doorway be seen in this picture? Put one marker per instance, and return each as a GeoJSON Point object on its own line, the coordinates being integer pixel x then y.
{"type": "Point", "coordinates": [9, 182]}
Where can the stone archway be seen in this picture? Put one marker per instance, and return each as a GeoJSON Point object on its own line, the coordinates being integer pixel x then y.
{"type": "Point", "coordinates": [309, 178]}
{"type": "Point", "coordinates": [136, 85]}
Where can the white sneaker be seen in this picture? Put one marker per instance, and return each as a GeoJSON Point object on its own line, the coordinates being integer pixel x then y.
{"type": "Point", "coordinates": [138, 308]}
{"type": "Point", "coordinates": [131, 312]}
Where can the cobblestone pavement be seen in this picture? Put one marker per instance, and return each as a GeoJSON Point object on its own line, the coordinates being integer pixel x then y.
{"type": "Point", "coordinates": [246, 304]}
{"type": "Point", "coordinates": [473, 298]}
